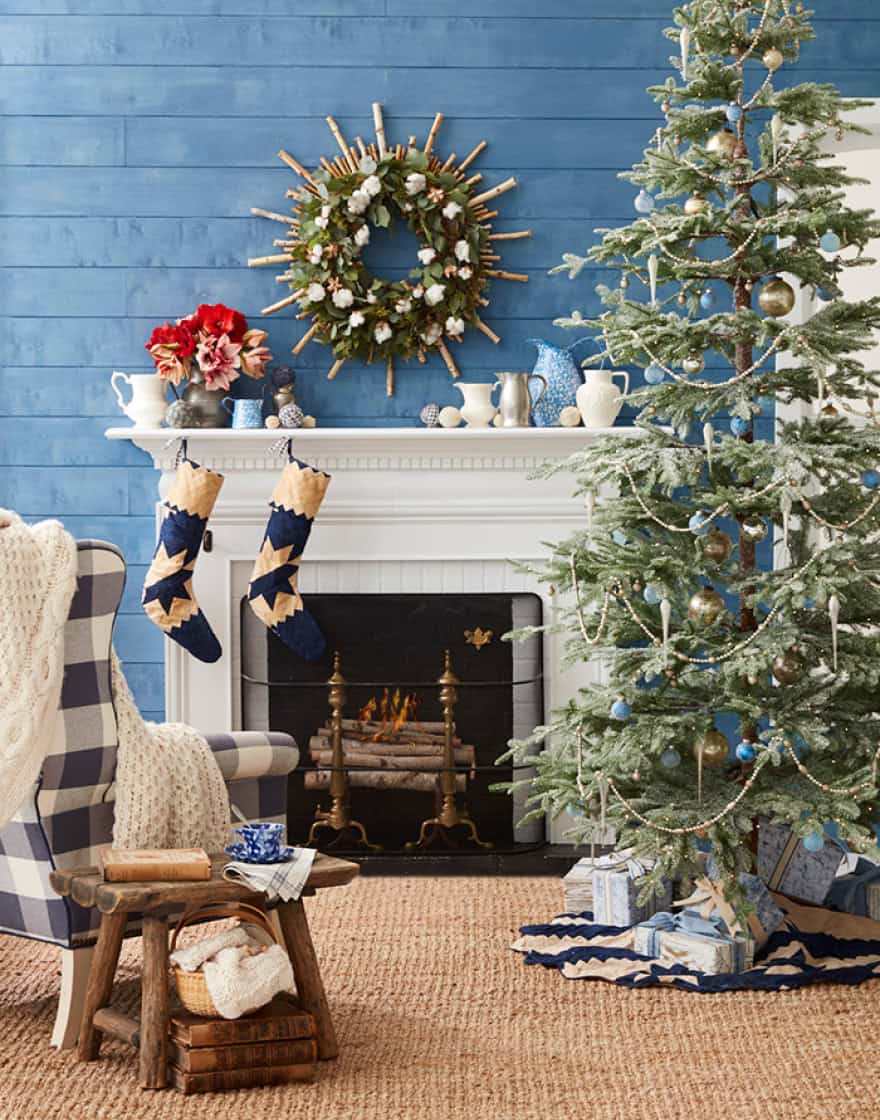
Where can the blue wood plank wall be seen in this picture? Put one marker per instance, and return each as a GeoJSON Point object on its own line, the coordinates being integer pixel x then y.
{"type": "Point", "coordinates": [138, 133]}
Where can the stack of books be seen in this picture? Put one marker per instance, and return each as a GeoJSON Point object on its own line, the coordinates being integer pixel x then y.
{"type": "Point", "coordinates": [272, 1046]}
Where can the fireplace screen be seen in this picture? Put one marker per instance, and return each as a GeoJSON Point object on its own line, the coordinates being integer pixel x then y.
{"type": "Point", "coordinates": [392, 729]}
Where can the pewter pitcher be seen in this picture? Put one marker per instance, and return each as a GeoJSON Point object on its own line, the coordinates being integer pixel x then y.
{"type": "Point", "coordinates": [514, 402]}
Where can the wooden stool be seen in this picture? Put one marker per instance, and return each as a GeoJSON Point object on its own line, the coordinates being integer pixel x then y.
{"type": "Point", "coordinates": [155, 901]}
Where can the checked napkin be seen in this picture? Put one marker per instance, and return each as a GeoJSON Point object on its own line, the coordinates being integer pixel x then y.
{"type": "Point", "coordinates": [276, 880]}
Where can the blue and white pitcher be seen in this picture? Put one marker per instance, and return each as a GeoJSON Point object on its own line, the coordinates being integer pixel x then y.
{"type": "Point", "coordinates": [560, 371]}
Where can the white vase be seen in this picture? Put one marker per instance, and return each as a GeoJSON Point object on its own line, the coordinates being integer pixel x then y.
{"type": "Point", "coordinates": [599, 400]}
{"type": "Point", "coordinates": [148, 405]}
{"type": "Point", "coordinates": [478, 410]}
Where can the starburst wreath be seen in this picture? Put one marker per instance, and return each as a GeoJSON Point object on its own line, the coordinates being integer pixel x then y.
{"type": "Point", "coordinates": [360, 315]}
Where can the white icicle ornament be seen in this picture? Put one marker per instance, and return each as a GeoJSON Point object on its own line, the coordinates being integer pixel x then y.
{"type": "Point", "coordinates": [834, 615]}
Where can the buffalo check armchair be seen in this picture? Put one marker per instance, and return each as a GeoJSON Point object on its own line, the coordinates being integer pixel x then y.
{"type": "Point", "coordinates": [69, 815]}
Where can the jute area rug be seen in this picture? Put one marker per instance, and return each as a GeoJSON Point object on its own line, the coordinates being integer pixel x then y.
{"type": "Point", "coordinates": [439, 1020]}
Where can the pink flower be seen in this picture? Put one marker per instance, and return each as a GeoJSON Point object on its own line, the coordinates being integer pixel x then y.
{"type": "Point", "coordinates": [254, 337]}
{"type": "Point", "coordinates": [170, 365]}
{"type": "Point", "coordinates": [219, 359]}
{"type": "Point", "coordinates": [254, 361]}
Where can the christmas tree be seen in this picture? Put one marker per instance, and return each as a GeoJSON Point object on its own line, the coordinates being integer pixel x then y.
{"type": "Point", "coordinates": [742, 676]}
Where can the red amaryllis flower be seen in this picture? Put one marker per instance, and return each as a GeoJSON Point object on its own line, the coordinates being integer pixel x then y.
{"type": "Point", "coordinates": [218, 319]}
{"type": "Point", "coordinates": [177, 337]}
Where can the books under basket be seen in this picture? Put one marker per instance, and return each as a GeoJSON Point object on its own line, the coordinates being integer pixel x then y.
{"type": "Point", "coordinates": [275, 1045]}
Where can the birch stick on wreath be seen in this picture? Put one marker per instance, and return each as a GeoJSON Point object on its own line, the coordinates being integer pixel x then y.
{"type": "Point", "coordinates": [369, 185]}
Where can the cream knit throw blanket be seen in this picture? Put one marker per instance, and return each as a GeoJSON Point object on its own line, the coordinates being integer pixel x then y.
{"type": "Point", "coordinates": [169, 789]}
{"type": "Point", "coordinates": [37, 582]}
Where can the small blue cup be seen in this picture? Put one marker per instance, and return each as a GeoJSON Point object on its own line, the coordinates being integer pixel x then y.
{"type": "Point", "coordinates": [262, 841]}
{"type": "Point", "coordinates": [245, 414]}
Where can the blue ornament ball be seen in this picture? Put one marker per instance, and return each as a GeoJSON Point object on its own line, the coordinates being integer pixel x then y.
{"type": "Point", "coordinates": [670, 759]}
{"type": "Point", "coordinates": [800, 746]}
{"type": "Point", "coordinates": [871, 479]}
{"type": "Point", "coordinates": [652, 595]}
{"type": "Point", "coordinates": [654, 374]}
{"type": "Point", "coordinates": [829, 242]}
{"type": "Point", "coordinates": [745, 751]}
{"type": "Point", "coordinates": [734, 112]}
{"type": "Point", "coordinates": [644, 202]}
{"type": "Point", "coordinates": [574, 810]}
{"type": "Point", "coordinates": [697, 524]}
{"type": "Point", "coordinates": [619, 537]}
{"type": "Point", "coordinates": [740, 426]}
{"type": "Point", "coordinates": [707, 299]}
{"type": "Point", "coordinates": [814, 842]}
{"type": "Point", "coordinates": [620, 709]}
{"type": "Point", "coordinates": [824, 295]}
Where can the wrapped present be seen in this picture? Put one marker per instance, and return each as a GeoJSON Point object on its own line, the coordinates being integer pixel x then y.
{"type": "Point", "coordinates": [699, 943]}
{"type": "Point", "coordinates": [618, 879]}
{"type": "Point", "coordinates": [709, 900]}
{"type": "Point", "coordinates": [786, 866]}
{"type": "Point", "coordinates": [577, 887]}
{"type": "Point", "coordinates": [858, 891]}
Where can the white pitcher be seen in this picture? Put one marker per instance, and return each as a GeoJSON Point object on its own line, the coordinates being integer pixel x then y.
{"type": "Point", "coordinates": [148, 405]}
{"type": "Point", "coordinates": [478, 409]}
{"type": "Point", "coordinates": [599, 400]}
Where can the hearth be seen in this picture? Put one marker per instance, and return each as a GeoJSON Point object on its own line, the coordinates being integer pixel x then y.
{"type": "Point", "coordinates": [421, 681]}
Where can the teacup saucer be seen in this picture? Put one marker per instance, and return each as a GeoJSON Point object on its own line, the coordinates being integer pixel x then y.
{"type": "Point", "coordinates": [239, 853]}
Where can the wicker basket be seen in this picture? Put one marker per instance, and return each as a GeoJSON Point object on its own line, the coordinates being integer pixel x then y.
{"type": "Point", "coordinates": [192, 988]}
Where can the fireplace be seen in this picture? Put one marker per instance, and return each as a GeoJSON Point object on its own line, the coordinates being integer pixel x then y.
{"type": "Point", "coordinates": [392, 650]}
{"type": "Point", "coordinates": [410, 511]}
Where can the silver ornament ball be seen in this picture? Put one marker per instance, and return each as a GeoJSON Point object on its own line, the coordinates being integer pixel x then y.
{"type": "Point", "coordinates": [291, 416]}
{"type": "Point", "coordinates": [181, 415]}
{"type": "Point", "coordinates": [430, 415]}
{"type": "Point", "coordinates": [754, 529]}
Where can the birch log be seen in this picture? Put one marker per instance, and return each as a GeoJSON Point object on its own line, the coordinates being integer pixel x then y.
{"type": "Point", "coordinates": [384, 779]}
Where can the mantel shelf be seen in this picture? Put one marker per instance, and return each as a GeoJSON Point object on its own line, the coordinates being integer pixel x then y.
{"type": "Point", "coordinates": [418, 448]}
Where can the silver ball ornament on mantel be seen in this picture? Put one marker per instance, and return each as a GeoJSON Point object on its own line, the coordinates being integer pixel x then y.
{"type": "Point", "coordinates": [181, 415]}
{"type": "Point", "coordinates": [291, 416]}
{"type": "Point", "coordinates": [722, 143]}
{"type": "Point", "coordinates": [569, 417]}
{"type": "Point", "coordinates": [272, 422]}
{"type": "Point", "coordinates": [776, 298]}
{"type": "Point", "coordinates": [430, 415]}
{"type": "Point", "coordinates": [450, 417]}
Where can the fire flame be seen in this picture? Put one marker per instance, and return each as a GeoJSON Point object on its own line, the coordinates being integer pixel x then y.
{"type": "Point", "coordinates": [392, 711]}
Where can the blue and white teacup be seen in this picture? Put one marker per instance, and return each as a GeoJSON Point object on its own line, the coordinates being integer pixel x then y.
{"type": "Point", "coordinates": [245, 413]}
{"type": "Point", "coordinates": [262, 840]}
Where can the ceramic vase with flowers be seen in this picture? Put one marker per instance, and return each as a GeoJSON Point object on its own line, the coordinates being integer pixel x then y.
{"type": "Point", "coordinates": [209, 349]}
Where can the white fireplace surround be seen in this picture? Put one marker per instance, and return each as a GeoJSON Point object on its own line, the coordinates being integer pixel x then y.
{"type": "Point", "coordinates": [409, 509]}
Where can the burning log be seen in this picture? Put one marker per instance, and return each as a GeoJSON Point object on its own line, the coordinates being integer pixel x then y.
{"type": "Point", "coordinates": [375, 761]}
{"type": "Point", "coordinates": [433, 728]}
{"type": "Point", "coordinates": [465, 755]}
{"type": "Point", "coordinates": [383, 779]}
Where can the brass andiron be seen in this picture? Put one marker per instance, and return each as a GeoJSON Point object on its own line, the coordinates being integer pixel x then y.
{"type": "Point", "coordinates": [337, 817]}
{"type": "Point", "coordinates": [449, 816]}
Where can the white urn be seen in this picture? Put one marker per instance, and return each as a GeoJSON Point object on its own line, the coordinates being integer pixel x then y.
{"type": "Point", "coordinates": [599, 400]}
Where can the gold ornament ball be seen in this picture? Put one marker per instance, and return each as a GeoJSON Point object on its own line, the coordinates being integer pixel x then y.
{"type": "Point", "coordinates": [788, 667]}
{"type": "Point", "coordinates": [722, 143]}
{"type": "Point", "coordinates": [273, 422]}
{"type": "Point", "coordinates": [706, 606]}
{"type": "Point", "coordinates": [754, 529]}
{"type": "Point", "coordinates": [772, 59]}
{"type": "Point", "coordinates": [776, 298]}
{"type": "Point", "coordinates": [624, 282]}
{"type": "Point", "coordinates": [693, 364]}
{"type": "Point", "coordinates": [715, 748]}
{"type": "Point", "coordinates": [681, 299]}
{"type": "Point", "coordinates": [717, 546]}
{"type": "Point", "coordinates": [696, 204]}
{"type": "Point", "coordinates": [569, 417]}
{"type": "Point", "coordinates": [449, 417]}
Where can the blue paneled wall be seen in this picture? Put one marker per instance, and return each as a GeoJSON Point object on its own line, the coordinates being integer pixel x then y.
{"type": "Point", "coordinates": [136, 135]}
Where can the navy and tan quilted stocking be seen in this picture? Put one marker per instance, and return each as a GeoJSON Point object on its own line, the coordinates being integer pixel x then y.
{"type": "Point", "coordinates": [273, 591]}
{"type": "Point", "coordinates": [168, 595]}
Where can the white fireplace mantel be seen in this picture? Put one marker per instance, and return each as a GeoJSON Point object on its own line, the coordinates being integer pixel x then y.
{"type": "Point", "coordinates": [408, 510]}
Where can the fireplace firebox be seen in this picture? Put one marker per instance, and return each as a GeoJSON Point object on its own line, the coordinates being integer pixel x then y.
{"type": "Point", "coordinates": [420, 681]}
